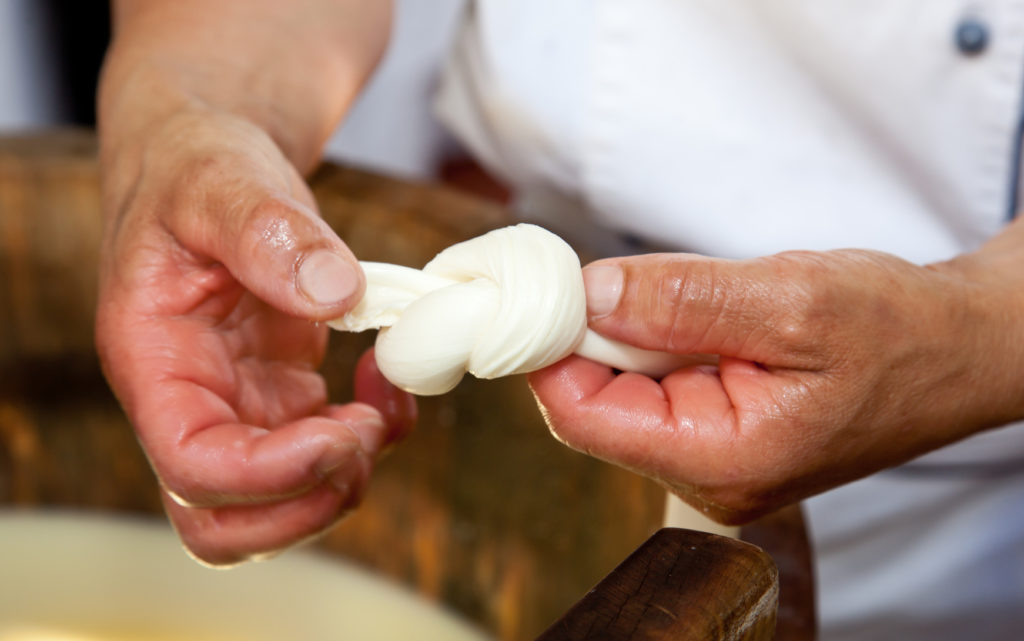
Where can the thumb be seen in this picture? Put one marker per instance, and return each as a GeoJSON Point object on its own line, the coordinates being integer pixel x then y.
{"type": "Point", "coordinates": [688, 304]}
{"type": "Point", "coordinates": [282, 251]}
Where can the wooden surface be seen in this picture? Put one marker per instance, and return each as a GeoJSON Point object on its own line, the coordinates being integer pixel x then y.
{"type": "Point", "coordinates": [682, 585]}
{"type": "Point", "coordinates": [479, 509]}
{"type": "Point", "coordinates": [784, 536]}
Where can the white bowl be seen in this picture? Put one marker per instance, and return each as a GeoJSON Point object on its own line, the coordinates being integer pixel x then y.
{"type": "Point", "coordinates": [75, 576]}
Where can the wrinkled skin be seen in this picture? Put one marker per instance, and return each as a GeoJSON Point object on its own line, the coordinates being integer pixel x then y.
{"type": "Point", "coordinates": [217, 267]}
{"type": "Point", "coordinates": [831, 366]}
{"type": "Point", "coordinates": [221, 384]}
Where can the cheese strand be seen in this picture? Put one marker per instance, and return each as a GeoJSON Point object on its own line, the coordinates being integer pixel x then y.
{"type": "Point", "coordinates": [509, 302]}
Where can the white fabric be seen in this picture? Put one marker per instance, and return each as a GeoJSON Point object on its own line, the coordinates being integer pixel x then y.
{"type": "Point", "coordinates": [391, 127]}
{"type": "Point", "coordinates": [508, 302]}
{"type": "Point", "coordinates": [29, 93]}
{"type": "Point", "coordinates": [804, 124]}
{"type": "Point", "coordinates": [745, 127]}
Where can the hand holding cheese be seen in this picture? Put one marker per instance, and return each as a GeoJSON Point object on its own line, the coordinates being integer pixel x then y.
{"type": "Point", "coordinates": [832, 365]}
{"type": "Point", "coordinates": [216, 263]}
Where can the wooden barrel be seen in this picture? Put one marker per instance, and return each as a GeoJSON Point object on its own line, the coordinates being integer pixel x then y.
{"type": "Point", "coordinates": [479, 509]}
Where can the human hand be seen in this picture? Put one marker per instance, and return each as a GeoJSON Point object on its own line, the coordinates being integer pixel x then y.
{"type": "Point", "coordinates": [831, 366]}
{"type": "Point", "coordinates": [215, 265]}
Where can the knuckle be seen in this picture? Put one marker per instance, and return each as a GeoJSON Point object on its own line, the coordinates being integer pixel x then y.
{"type": "Point", "coordinates": [202, 180]}
{"type": "Point", "coordinates": [679, 292]}
{"type": "Point", "coordinates": [805, 295]}
{"type": "Point", "coordinates": [828, 301]}
{"type": "Point", "coordinates": [268, 226]}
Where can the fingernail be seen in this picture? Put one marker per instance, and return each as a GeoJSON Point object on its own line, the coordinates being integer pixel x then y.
{"type": "Point", "coordinates": [338, 456]}
{"type": "Point", "coordinates": [604, 288]}
{"type": "Point", "coordinates": [326, 278]}
{"type": "Point", "coordinates": [350, 481]}
{"type": "Point", "coordinates": [370, 431]}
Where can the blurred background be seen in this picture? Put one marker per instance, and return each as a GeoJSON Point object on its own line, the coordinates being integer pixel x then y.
{"type": "Point", "coordinates": [50, 55]}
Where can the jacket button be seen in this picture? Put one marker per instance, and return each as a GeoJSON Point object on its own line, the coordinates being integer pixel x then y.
{"type": "Point", "coordinates": [971, 36]}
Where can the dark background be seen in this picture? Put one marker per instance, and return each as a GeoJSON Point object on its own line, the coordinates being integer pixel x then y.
{"type": "Point", "coordinates": [80, 32]}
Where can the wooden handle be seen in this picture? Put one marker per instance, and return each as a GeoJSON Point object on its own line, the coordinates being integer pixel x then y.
{"type": "Point", "coordinates": [682, 585]}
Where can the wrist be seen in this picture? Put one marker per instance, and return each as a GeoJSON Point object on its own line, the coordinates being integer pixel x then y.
{"type": "Point", "coordinates": [988, 312]}
{"type": "Point", "coordinates": [140, 98]}
{"type": "Point", "coordinates": [291, 70]}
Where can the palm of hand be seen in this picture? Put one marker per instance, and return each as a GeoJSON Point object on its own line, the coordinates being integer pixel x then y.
{"type": "Point", "coordinates": [206, 339]}
{"type": "Point", "coordinates": [219, 353]}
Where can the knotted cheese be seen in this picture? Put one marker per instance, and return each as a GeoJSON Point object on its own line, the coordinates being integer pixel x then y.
{"type": "Point", "coordinates": [508, 302]}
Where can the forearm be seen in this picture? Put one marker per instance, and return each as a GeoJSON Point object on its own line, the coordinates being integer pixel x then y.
{"type": "Point", "coordinates": [290, 68]}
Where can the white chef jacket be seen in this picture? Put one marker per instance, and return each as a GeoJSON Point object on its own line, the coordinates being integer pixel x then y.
{"type": "Point", "coordinates": [29, 87]}
{"type": "Point", "coordinates": [744, 127]}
